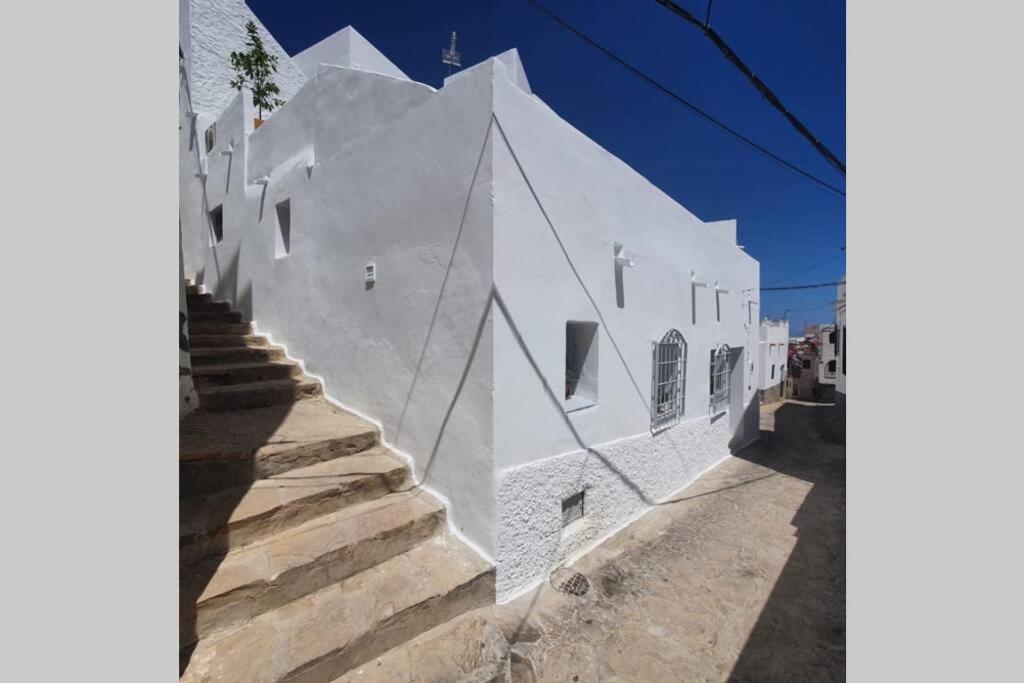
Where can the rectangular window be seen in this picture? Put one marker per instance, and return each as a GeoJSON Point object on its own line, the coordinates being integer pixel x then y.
{"type": "Point", "coordinates": [668, 380]}
{"type": "Point", "coordinates": [844, 350]}
{"type": "Point", "coordinates": [572, 509]}
{"type": "Point", "coordinates": [283, 235]}
{"type": "Point", "coordinates": [773, 372]}
{"type": "Point", "coordinates": [719, 380]}
{"type": "Point", "coordinates": [580, 364]}
{"type": "Point", "coordinates": [217, 226]}
{"type": "Point", "coordinates": [807, 365]}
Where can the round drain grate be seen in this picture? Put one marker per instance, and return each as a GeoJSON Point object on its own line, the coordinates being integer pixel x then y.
{"type": "Point", "coordinates": [570, 583]}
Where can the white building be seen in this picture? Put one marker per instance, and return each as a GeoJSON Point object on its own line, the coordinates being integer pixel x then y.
{"type": "Point", "coordinates": [841, 345]}
{"type": "Point", "coordinates": [773, 352]}
{"type": "Point", "coordinates": [826, 341]}
{"type": "Point", "coordinates": [529, 320]}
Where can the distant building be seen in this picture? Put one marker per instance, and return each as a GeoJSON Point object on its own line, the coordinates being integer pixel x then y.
{"type": "Point", "coordinates": [841, 346]}
{"type": "Point", "coordinates": [802, 375]}
{"type": "Point", "coordinates": [774, 353]}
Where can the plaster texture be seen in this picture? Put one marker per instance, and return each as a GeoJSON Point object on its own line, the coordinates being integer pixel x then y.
{"type": "Point", "coordinates": [621, 481]}
{"type": "Point", "coordinates": [773, 349]}
{"type": "Point", "coordinates": [214, 29]}
{"type": "Point", "coordinates": [491, 223]}
{"type": "Point", "coordinates": [841, 354]}
{"type": "Point", "coordinates": [740, 578]}
{"type": "Point", "coordinates": [346, 47]}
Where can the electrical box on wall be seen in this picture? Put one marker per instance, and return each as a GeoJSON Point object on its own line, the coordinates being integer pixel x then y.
{"type": "Point", "coordinates": [371, 273]}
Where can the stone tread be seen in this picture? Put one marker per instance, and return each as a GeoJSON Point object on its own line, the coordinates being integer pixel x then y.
{"type": "Point", "coordinates": [238, 373]}
{"type": "Point", "coordinates": [261, 432]}
{"type": "Point", "coordinates": [305, 558]}
{"type": "Point", "coordinates": [236, 508]}
{"type": "Point", "coordinates": [260, 393]}
{"type": "Point", "coordinates": [468, 649]}
{"type": "Point", "coordinates": [326, 633]}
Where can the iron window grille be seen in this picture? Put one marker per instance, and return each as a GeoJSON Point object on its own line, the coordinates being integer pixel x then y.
{"type": "Point", "coordinates": [668, 380]}
{"type": "Point", "coordinates": [719, 380]}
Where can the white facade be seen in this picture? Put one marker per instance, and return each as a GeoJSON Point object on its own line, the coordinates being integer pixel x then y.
{"type": "Point", "coordinates": [773, 350]}
{"type": "Point", "coordinates": [495, 230]}
{"type": "Point", "coordinates": [841, 345]}
{"type": "Point", "coordinates": [826, 339]}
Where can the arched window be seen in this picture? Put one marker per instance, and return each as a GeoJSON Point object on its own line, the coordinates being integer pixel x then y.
{"type": "Point", "coordinates": [668, 380]}
{"type": "Point", "coordinates": [719, 380]}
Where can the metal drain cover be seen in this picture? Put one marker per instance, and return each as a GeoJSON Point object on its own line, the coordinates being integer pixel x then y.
{"type": "Point", "coordinates": [570, 582]}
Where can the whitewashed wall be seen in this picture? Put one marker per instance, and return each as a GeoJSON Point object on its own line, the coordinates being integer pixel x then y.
{"type": "Point", "coordinates": [212, 31]}
{"type": "Point", "coordinates": [773, 352]}
{"type": "Point", "coordinates": [826, 354]}
{"type": "Point", "coordinates": [456, 347]}
{"type": "Point", "coordinates": [561, 203]}
{"type": "Point", "coordinates": [404, 184]}
{"type": "Point", "coordinates": [841, 327]}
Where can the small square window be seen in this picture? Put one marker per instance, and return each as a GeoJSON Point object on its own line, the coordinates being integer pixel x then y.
{"type": "Point", "coordinates": [572, 509]}
{"type": "Point", "coordinates": [217, 225]}
{"type": "Point", "coordinates": [283, 235]}
{"type": "Point", "coordinates": [807, 364]}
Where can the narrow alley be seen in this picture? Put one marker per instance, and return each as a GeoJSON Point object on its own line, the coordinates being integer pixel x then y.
{"type": "Point", "coordinates": [740, 578]}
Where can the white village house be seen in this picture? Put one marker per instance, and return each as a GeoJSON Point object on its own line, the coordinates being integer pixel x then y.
{"type": "Point", "coordinates": [840, 359]}
{"type": "Point", "coordinates": [552, 342]}
{"type": "Point", "coordinates": [773, 352]}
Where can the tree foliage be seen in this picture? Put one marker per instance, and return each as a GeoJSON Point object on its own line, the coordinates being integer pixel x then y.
{"type": "Point", "coordinates": [253, 69]}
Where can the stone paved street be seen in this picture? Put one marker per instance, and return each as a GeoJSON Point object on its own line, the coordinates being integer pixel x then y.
{"type": "Point", "coordinates": [740, 578]}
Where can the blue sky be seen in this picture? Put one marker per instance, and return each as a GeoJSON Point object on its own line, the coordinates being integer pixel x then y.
{"type": "Point", "coordinates": [796, 47]}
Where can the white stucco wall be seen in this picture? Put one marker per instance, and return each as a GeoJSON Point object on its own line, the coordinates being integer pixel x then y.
{"type": "Point", "coordinates": [216, 29]}
{"type": "Point", "coordinates": [561, 204]}
{"type": "Point", "coordinates": [346, 47]}
{"type": "Point", "coordinates": [413, 351]}
{"type": "Point", "coordinates": [773, 351]}
{"type": "Point", "coordinates": [491, 222]}
{"type": "Point", "coordinates": [826, 354]}
{"type": "Point", "coordinates": [841, 327]}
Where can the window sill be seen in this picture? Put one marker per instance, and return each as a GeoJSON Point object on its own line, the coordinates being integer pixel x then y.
{"type": "Point", "coordinates": [576, 403]}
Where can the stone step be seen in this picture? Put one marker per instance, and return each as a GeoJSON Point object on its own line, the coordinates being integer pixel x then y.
{"type": "Point", "coordinates": [193, 289]}
{"type": "Point", "coordinates": [222, 593]}
{"type": "Point", "coordinates": [207, 306]}
{"type": "Point", "coordinates": [209, 341]}
{"type": "Point", "coordinates": [205, 327]}
{"type": "Point", "coordinates": [200, 317]}
{"type": "Point", "coordinates": [223, 450]}
{"type": "Point", "coordinates": [239, 373]}
{"type": "Point", "coordinates": [205, 296]}
{"type": "Point", "coordinates": [217, 523]}
{"type": "Point", "coordinates": [325, 634]}
{"type": "Point", "coordinates": [468, 649]}
{"type": "Point", "coordinates": [235, 354]}
{"type": "Point", "coordinates": [257, 394]}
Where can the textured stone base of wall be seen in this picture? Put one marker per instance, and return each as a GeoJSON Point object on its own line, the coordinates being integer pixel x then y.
{"type": "Point", "coordinates": [620, 482]}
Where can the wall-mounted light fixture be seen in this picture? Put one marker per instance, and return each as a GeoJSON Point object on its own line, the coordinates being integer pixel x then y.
{"type": "Point", "coordinates": [229, 151]}
{"type": "Point", "coordinates": [262, 181]}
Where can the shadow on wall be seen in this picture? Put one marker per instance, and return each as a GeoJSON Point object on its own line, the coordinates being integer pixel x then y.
{"type": "Point", "coordinates": [801, 631]}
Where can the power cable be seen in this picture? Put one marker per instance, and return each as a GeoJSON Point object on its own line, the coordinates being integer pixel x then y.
{"type": "Point", "coordinates": [801, 272]}
{"type": "Point", "coordinates": [692, 107]}
{"type": "Point", "coordinates": [757, 82]}
{"type": "Point", "coordinates": [779, 289]}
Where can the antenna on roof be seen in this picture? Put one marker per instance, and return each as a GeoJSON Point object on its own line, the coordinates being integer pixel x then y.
{"type": "Point", "coordinates": [451, 56]}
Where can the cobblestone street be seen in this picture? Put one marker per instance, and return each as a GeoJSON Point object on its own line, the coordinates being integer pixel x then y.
{"type": "Point", "coordinates": [740, 578]}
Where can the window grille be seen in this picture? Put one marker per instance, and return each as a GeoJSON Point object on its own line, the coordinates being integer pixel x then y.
{"type": "Point", "coordinates": [668, 380]}
{"type": "Point", "coordinates": [719, 380]}
{"type": "Point", "coordinates": [830, 370]}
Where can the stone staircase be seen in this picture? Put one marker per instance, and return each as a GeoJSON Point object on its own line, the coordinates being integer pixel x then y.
{"type": "Point", "coordinates": [305, 551]}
